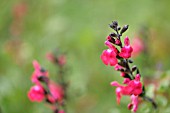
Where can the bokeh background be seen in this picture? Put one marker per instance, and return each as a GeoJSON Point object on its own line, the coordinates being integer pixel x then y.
{"type": "Point", "coordinates": [31, 28]}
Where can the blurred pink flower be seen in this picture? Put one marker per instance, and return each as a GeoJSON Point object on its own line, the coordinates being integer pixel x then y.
{"type": "Point", "coordinates": [138, 46]}
{"type": "Point", "coordinates": [51, 57]}
{"type": "Point", "coordinates": [133, 87]}
{"type": "Point", "coordinates": [19, 10]}
{"type": "Point", "coordinates": [126, 51]}
{"type": "Point", "coordinates": [61, 111]}
{"type": "Point", "coordinates": [38, 72]}
{"type": "Point", "coordinates": [56, 91]}
{"type": "Point", "coordinates": [109, 56]}
{"type": "Point", "coordinates": [36, 93]}
{"type": "Point", "coordinates": [61, 59]}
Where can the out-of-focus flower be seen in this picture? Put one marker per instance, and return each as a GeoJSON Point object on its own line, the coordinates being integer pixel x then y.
{"type": "Point", "coordinates": [109, 56]}
{"type": "Point", "coordinates": [138, 46]}
{"type": "Point", "coordinates": [38, 72]}
{"type": "Point", "coordinates": [36, 93]}
{"type": "Point", "coordinates": [126, 51]}
{"type": "Point", "coordinates": [61, 111]}
{"type": "Point", "coordinates": [56, 92]}
{"type": "Point", "coordinates": [19, 10]}
{"type": "Point", "coordinates": [134, 103]}
{"type": "Point", "coordinates": [51, 57]}
{"type": "Point", "coordinates": [60, 59]}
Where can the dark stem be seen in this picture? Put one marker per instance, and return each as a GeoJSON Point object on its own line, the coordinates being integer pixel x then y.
{"type": "Point", "coordinates": [129, 70]}
{"type": "Point", "coordinates": [151, 100]}
{"type": "Point", "coordinates": [118, 36]}
{"type": "Point", "coordinates": [64, 85]}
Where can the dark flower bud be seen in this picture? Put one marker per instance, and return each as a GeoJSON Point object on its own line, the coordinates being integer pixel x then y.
{"type": "Point", "coordinates": [43, 78]}
{"type": "Point", "coordinates": [114, 24]}
{"type": "Point", "coordinates": [134, 68]}
{"type": "Point", "coordinates": [130, 61]}
{"type": "Point", "coordinates": [113, 34]}
{"type": "Point", "coordinates": [124, 29]}
{"type": "Point", "coordinates": [137, 72]}
{"type": "Point", "coordinates": [119, 28]}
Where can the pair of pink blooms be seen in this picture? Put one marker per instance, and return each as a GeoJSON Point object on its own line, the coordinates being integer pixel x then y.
{"type": "Point", "coordinates": [38, 93]}
{"type": "Point", "coordinates": [132, 88]}
{"type": "Point", "coordinates": [109, 56]}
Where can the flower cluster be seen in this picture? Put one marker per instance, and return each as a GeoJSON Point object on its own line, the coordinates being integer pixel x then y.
{"type": "Point", "coordinates": [118, 55]}
{"type": "Point", "coordinates": [46, 89]}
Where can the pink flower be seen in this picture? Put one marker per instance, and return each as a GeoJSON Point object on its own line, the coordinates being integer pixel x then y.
{"type": "Point", "coordinates": [56, 91]}
{"type": "Point", "coordinates": [134, 103]}
{"type": "Point", "coordinates": [122, 74]}
{"type": "Point", "coordinates": [117, 42]}
{"type": "Point", "coordinates": [126, 51]}
{"type": "Point", "coordinates": [133, 87]}
{"type": "Point", "coordinates": [138, 46]}
{"type": "Point", "coordinates": [109, 56]}
{"type": "Point", "coordinates": [51, 57]}
{"type": "Point", "coordinates": [118, 67]}
{"type": "Point", "coordinates": [61, 111]}
{"type": "Point", "coordinates": [36, 93]}
{"type": "Point", "coordinates": [38, 72]}
{"type": "Point", "coordinates": [61, 60]}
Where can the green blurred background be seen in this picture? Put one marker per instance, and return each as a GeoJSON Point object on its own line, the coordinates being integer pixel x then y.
{"type": "Point", "coordinates": [31, 28]}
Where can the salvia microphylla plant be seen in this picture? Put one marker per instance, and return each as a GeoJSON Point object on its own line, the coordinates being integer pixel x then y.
{"type": "Point", "coordinates": [44, 89]}
{"type": "Point", "coordinates": [118, 55]}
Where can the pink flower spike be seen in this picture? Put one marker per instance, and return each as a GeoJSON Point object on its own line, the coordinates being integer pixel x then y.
{"type": "Point", "coordinates": [36, 93]}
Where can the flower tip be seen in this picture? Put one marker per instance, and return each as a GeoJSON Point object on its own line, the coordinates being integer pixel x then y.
{"type": "Point", "coordinates": [137, 77]}
{"type": "Point", "coordinates": [126, 41]}
{"type": "Point", "coordinates": [114, 83]}
{"type": "Point", "coordinates": [35, 64]}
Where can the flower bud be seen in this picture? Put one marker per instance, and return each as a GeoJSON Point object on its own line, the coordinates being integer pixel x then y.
{"type": "Point", "coordinates": [124, 29]}
{"type": "Point", "coordinates": [114, 24]}
{"type": "Point", "coordinates": [134, 68]}
{"type": "Point", "coordinates": [130, 61]}
{"type": "Point", "coordinates": [113, 34]}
